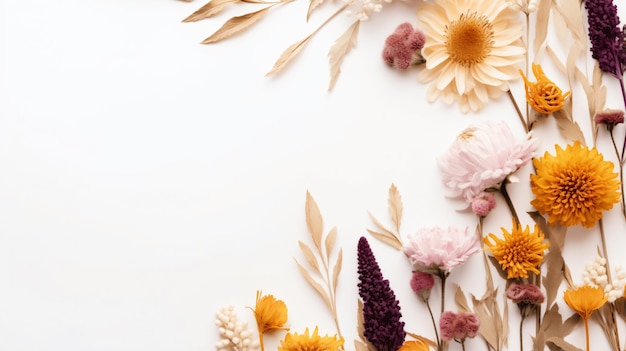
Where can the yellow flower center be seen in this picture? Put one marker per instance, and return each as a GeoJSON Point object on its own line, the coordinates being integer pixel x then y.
{"type": "Point", "coordinates": [469, 39]}
{"type": "Point", "coordinates": [467, 134]}
{"type": "Point", "coordinates": [574, 189]}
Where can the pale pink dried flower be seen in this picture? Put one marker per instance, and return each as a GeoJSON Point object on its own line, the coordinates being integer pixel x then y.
{"type": "Point", "coordinates": [403, 46]}
{"type": "Point", "coordinates": [481, 157]}
{"type": "Point", "coordinates": [483, 204]}
{"type": "Point", "coordinates": [437, 250]}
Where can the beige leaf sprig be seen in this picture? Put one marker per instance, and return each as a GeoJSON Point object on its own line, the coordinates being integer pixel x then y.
{"type": "Point", "coordinates": [322, 275]}
{"type": "Point", "coordinates": [214, 7]}
{"type": "Point", "coordinates": [340, 48]}
{"type": "Point", "coordinates": [363, 344]}
{"type": "Point", "coordinates": [390, 237]}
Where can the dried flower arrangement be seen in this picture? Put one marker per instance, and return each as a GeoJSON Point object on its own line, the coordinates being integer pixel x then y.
{"type": "Point", "coordinates": [469, 52]}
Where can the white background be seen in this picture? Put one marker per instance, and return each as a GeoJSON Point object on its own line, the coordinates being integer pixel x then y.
{"type": "Point", "coordinates": [146, 180]}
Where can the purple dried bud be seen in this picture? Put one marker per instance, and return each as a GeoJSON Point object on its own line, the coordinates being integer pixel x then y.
{"type": "Point", "coordinates": [381, 311]}
{"type": "Point", "coordinates": [421, 283]}
{"type": "Point", "coordinates": [483, 204]}
{"type": "Point", "coordinates": [402, 48]}
{"type": "Point", "coordinates": [610, 118]}
{"type": "Point", "coordinates": [606, 36]}
{"type": "Point", "coordinates": [458, 326]}
{"type": "Point", "coordinates": [525, 294]}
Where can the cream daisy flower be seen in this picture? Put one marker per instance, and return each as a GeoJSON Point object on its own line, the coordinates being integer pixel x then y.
{"type": "Point", "coordinates": [472, 50]}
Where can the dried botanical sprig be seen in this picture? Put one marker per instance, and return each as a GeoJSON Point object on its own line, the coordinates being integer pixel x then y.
{"type": "Point", "coordinates": [320, 262]}
{"type": "Point", "coordinates": [236, 336]}
{"type": "Point", "coordinates": [394, 207]}
{"type": "Point", "coordinates": [381, 311]}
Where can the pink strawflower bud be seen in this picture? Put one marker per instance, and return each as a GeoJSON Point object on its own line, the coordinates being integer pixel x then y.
{"type": "Point", "coordinates": [483, 204]}
{"type": "Point", "coordinates": [403, 46]}
{"type": "Point", "coordinates": [525, 294]}
{"type": "Point", "coordinates": [458, 326]}
{"type": "Point", "coordinates": [421, 283]}
{"type": "Point", "coordinates": [610, 118]}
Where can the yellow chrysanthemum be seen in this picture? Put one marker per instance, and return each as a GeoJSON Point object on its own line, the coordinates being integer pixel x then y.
{"type": "Point", "coordinates": [314, 342]}
{"type": "Point", "coordinates": [585, 299]}
{"type": "Point", "coordinates": [270, 314]}
{"type": "Point", "coordinates": [575, 186]}
{"type": "Point", "coordinates": [520, 251]}
{"type": "Point", "coordinates": [472, 50]}
{"type": "Point", "coordinates": [414, 345]}
{"type": "Point", "coordinates": [543, 95]}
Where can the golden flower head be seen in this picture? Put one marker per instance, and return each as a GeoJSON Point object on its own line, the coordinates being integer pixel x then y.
{"type": "Point", "coordinates": [585, 299]}
{"type": "Point", "coordinates": [414, 345]}
{"type": "Point", "coordinates": [520, 251]}
{"type": "Point", "coordinates": [575, 186]}
{"type": "Point", "coordinates": [472, 50]}
{"type": "Point", "coordinates": [306, 342]}
{"type": "Point", "coordinates": [543, 95]}
{"type": "Point", "coordinates": [270, 313]}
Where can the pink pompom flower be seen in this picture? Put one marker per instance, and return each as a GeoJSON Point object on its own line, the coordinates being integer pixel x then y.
{"type": "Point", "coordinates": [402, 48]}
{"type": "Point", "coordinates": [458, 326]}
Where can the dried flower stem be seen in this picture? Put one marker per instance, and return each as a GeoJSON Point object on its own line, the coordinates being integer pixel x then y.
{"type": "Point", "coordinates": [623, 89]}
{"type": "Point", "coordinates": [614, 332]}
{"type": "Point", "coordinates": [507, 198]}
{"type": "Point", "coordinates": [519, 112]}
{"type": "Point", "coordinates": [587, 333]}
{"type": "Point", "coordinates": [432, 318]}
{"type": "Point", "coordinates": [521, 339]}
{"type": "Point", "coordinates": [621, 171]}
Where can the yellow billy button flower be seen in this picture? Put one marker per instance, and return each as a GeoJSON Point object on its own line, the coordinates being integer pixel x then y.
{"type": "Point", "coordinates": [306, 342]}
{"type": "Point", "coordinates": [519, 252]}
{"type": "Point", "coordinates": [575, 186]}
{"type": "Point", "coordinates": [270, 314]}
{"type": "Point", "coordinates": [543, 95]}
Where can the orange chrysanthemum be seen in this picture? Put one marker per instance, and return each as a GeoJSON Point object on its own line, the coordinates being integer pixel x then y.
{"type": "Point", "coordinates": [543, 95]}
{"type": "Point", "coordinates": [314, 342]}
{"type": "Point", "coordinates": [575, 186]}
{"type": "Point", "coordinates": [585, 299]}
{"type": "Point", "coordinates": [270, 314]}
{"type": "Point", "coordinates": [520, 251]}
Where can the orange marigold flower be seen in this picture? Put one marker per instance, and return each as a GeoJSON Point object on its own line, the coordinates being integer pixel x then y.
{"type": "Point", "coordinates": [520, 251]}
{"type": "Point", "coordinates": [543, 95]}
{"type": "Point", "coordinates": [314, 342]}
{"type": "Point", "coordinates": [270, 314]}
{"type": "Point", "coordinates": [585, 299]}
{"type": "Point", "coordinates": [575, 186]}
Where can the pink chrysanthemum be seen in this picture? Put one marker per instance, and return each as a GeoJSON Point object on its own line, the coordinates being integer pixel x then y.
{"type": "Point", "coordinates": [481, 157]}
{"type": "Point", "coordinates": [437, 250]}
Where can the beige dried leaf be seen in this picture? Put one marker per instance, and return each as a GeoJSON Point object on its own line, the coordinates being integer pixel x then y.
{"type": "Point", "coordinates": [340, 49]}
{"type": "Point", "coordinates": [569, 129]}
{"type": "Point", "coordinates": [289, 54]}
{"type": "Point", "coordinates": [461, 301]}
{"type": "Point", "coordinates": [360, 346]}
{"type": "Point", "coordinates": [309, 255]}
{"type": "Point", "coordinates": [541, 24]}
{"type": "Point", "coordinates": [212, 8]}
{"type": "Point", "coordinates": [395, 206]}
{"type": "Point", "coordinates": [236, 25]}
{"type": "Point", "coordinates": [557, 61]}
{"type": "Point", "coordinates": [561, 344]}
{"type": "Point", "coordinates": [314, 221]}
{"type": "Point", "coordinates": [570, 12]}
{"type": "Point", "coordinates": [488, 329]}
{"type": "Point", "coordinates": [313, 4]}
{"type": "Point", "coordinates": [337, 270]}
{"type": "Point", "coordinates": [386, 238]}
{"type": "Point", "coordinates": [361, 329]}
{"type": "Point", "coordinates": [317, 286]}
{"type": "Point", "coordinates": [329, 242]}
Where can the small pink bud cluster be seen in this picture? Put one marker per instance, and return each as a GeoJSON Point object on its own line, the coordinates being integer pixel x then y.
{"type": "Point", "coordinates": [525, 294]}
{"type": "Point", "coordinates": [403, 45]}
{"type": "Point", "coordinates": [421, 283]}
{"type": "Point", "coordinates": [458, 326]}
{"type": "Point", "coordinates": [483, 204]}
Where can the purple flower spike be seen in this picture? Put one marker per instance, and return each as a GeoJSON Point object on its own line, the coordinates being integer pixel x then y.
{"type": "Point", "coordinates": [381, 311]}
{"type": "Point", "coordinates": [402, 47]}
{"type": "Point", "coordinates": [606, 36]}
